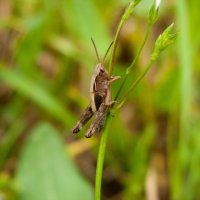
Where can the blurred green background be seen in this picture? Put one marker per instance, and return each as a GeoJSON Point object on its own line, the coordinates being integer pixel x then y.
{"type": "Point", "coordinates": [46, 61]}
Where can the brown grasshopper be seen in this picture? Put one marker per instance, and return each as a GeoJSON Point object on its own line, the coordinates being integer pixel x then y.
{"type": "Point", "coordinates": [100, 98]}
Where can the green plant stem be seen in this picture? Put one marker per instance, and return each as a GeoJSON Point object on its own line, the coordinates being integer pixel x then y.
{"type": "Point", "coordinates": [130, 68]}
{"type": "Point", "coordinates": [136, 82]}
{"type": "Point", "coordinates": [102, 147]}
{"type": "Point", "coordinates": [100, 161]}
{"type": "Point", "coordinates": [115, 46]}
{"type": "Point", "coordinates": [185, 57]}
{"type": "Point", "coordinates": [184, 148]}
{"type": "Point", "coordinates": [126, 14]}
{"type": "Point", "coordinates": [140, 49]}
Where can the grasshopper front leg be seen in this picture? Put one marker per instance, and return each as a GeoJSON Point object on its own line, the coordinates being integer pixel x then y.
{"type": "Point", "coordinates": [108, 99]}
{"type": "Point", "coordinates": [113, 79]}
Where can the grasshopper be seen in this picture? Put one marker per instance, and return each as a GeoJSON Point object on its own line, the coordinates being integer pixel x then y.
{"type": "Point", "coordinates": [100, 98]}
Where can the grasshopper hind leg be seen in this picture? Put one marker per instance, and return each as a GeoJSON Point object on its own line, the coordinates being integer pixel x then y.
{"type": "Point", "coordinates": [85, 117]}
{"type": "Point", "coordinates": [99, 121]}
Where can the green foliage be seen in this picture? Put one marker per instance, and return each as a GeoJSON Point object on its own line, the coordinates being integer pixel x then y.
{"type": "Point", "coordinates": [46, 172]}
{"type": "Point", "coordinates": [46, 62]}
{"type": "Point", "coordinates": [8, 188]}
{"type": "Point", "coordinates": [84, 20]}
{"type": "Point", "coordinates": [164, 40]}
{"type": "Point", "coordinates": [153, 13]}
{"type": "Point", "coordinates": [37, 93]}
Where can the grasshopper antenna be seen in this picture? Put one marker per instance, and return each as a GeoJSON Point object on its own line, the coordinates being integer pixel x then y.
{"type": "Point", "coordinates": [107, 51]}
{"type": "Point", "coordinates": [98, 58]}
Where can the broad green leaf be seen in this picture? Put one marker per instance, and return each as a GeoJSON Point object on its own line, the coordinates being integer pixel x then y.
{"type": "Point", "coordinates": [36, 93]}
{"type": "Point", "coordinates": [45, 172]}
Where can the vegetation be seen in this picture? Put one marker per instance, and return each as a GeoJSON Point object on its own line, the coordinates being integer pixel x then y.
{"type": "Point", "coordinates": [46, 61]}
